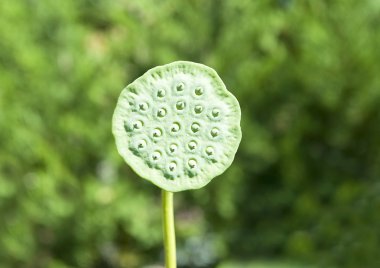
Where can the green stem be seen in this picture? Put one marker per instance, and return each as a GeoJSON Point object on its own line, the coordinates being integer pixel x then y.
{"type": "Point", "coordinates": [168, 226]}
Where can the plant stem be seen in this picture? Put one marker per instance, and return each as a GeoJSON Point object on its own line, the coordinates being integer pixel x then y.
{"type": "Point", "coordinates": [168, 226]}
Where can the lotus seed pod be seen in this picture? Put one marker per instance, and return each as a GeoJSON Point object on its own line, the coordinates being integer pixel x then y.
{"type": "Point", "coordinates": [177, 126]}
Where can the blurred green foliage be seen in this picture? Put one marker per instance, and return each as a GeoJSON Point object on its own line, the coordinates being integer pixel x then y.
{"type": "Point", "coordinates": [305, 183]}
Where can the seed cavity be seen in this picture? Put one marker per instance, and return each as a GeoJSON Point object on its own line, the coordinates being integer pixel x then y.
{"type": "Point", "coordinates": [141, 144]}
{"type": "Point", "coordinates": [180, 87]}
{"type": "Point", "coordinates": [156, 155]}
{"type": "Point", "coordinates": [192, 163]}
{"type": "Point", "coordinates": [143, 107]}
{"type": "Point", "coordinates": [138, 125]}
{"type": "Point", "coordinates": [172, 166]}
{"type": "Point", "coordinates": [198, 91]}
{"type": "Point", "coordinates": [161, 112]}
{"type": "Point", "coordinates": [180, 105]}
{"type": "Point", "coordinates": [192, 145]}
{"type": "Point", "coordinates": [210, 151]}
{"type": "Point", "coordinates": [198, 109]}
{"type": "Point", "coordinates": [175, 127]}
{"type": "Point", "coordinates": [195, 127]}
{"type": "Point", "coordinates": [173, 148]}
{"type": "Point", "coordinates": [157, 132]}
{"type": "Point", "coordinates": [214, 132]}
{"type": "Point", "coordinates": [215, 112]}
{"type": "Point", "coordinates": [161, 93]}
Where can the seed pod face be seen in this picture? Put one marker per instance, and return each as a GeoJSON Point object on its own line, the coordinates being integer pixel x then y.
{"type": "Point", "coordinates": [177, 126]}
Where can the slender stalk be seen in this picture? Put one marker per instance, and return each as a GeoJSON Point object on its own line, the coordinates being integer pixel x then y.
{"type": "Point", "coordinates": [168, 226]}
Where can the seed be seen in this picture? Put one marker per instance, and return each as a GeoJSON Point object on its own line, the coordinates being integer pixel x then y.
{"type": "Point", "coordinates": [192, 163]}
{"type": "Point", "coordinates": [175, 127]}
{"type": "Point", "coordinates": [192, 145]}
{"type": "Point", "coordinates": [143, 107]}
{"type": "Point", "coordinates": [138, 124]}
{"type": "Point", "coordinates": [214, 132]}
{"type": "Point", "coordinates": [157, 133]}
{"type": "Point", "coordinates": [210, 151]}
{"type": "Point", "coordinates": [161, 93]}
{"type": "Point", "coordinates": [161, 112]}
{"type": "Point", "coordinates": [180, 87]}
{"type": "Point", "coordinates": [198, 91]}
{"type": "Point", "coordinates": [156, 155]}
{"type": "Point", "coordinates": [215, 112]}
{"type": "Point", "coordinates": [141, 144]}
{"type": "Point", "coordinates": [198, 109]}
{"type": "Point", "coordinates": [173, 148]}
{"type": "Point", "coordinates": [172, 166]}
{"type": "Point", "coordinates": [180, 105]}
{"type": "Point", "coordinates": [195, 127]}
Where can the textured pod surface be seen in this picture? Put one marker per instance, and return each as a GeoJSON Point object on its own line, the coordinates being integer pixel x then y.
{"type": "Point", "coordinates": [177, 126]}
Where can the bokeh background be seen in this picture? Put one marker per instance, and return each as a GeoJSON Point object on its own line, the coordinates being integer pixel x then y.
{"type": "Point", "coordinates": [304, 189]}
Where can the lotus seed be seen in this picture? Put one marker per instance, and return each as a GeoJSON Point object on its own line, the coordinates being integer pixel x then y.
{"type": "Point", "coordinates": [157, 133]}
{"type": "Point", "coordinates": [198, 91]}
{"type": "Point", "coordinates": [143, 107]}
{"type": "Point", "coordinates": [192, 145]}
{"type": "Point", "coordinates": [198, 109]}
{"type": "Point", "coordinates": [180, 105]}
{"type": "Point", "coordinates": [173, 148]}
{"type": "Point", "coordinates": [161, 112]}
{"type": "Point", "coordinates": [195, 127]}
{"type": "Point", "coordinates": [141, 144]}
{"type": "Point", "coordinates": [210, 151]}
{"type": "Point", "coordinates": [156, 155]}
{"type": "Point", "coordinates": [214, 132]}
{"type": "Point", "coordinates": [192, 163]}
{"type": "Point", "coordinates": [215, 112]}
{"type": "Point", "coordinates": [175, 127]}
{"type": "Point", "coordinates": [138, 124]}
{"type": "Point", "coordinates": [161, 93]}
{"type": "Point", "coordinates": [172, 166]}
{"type": "Point", "coordinates": [180, 87]}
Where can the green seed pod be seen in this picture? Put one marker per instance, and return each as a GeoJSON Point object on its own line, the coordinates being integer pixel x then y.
{"type": "Point", "coordinates": [177, 126]}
